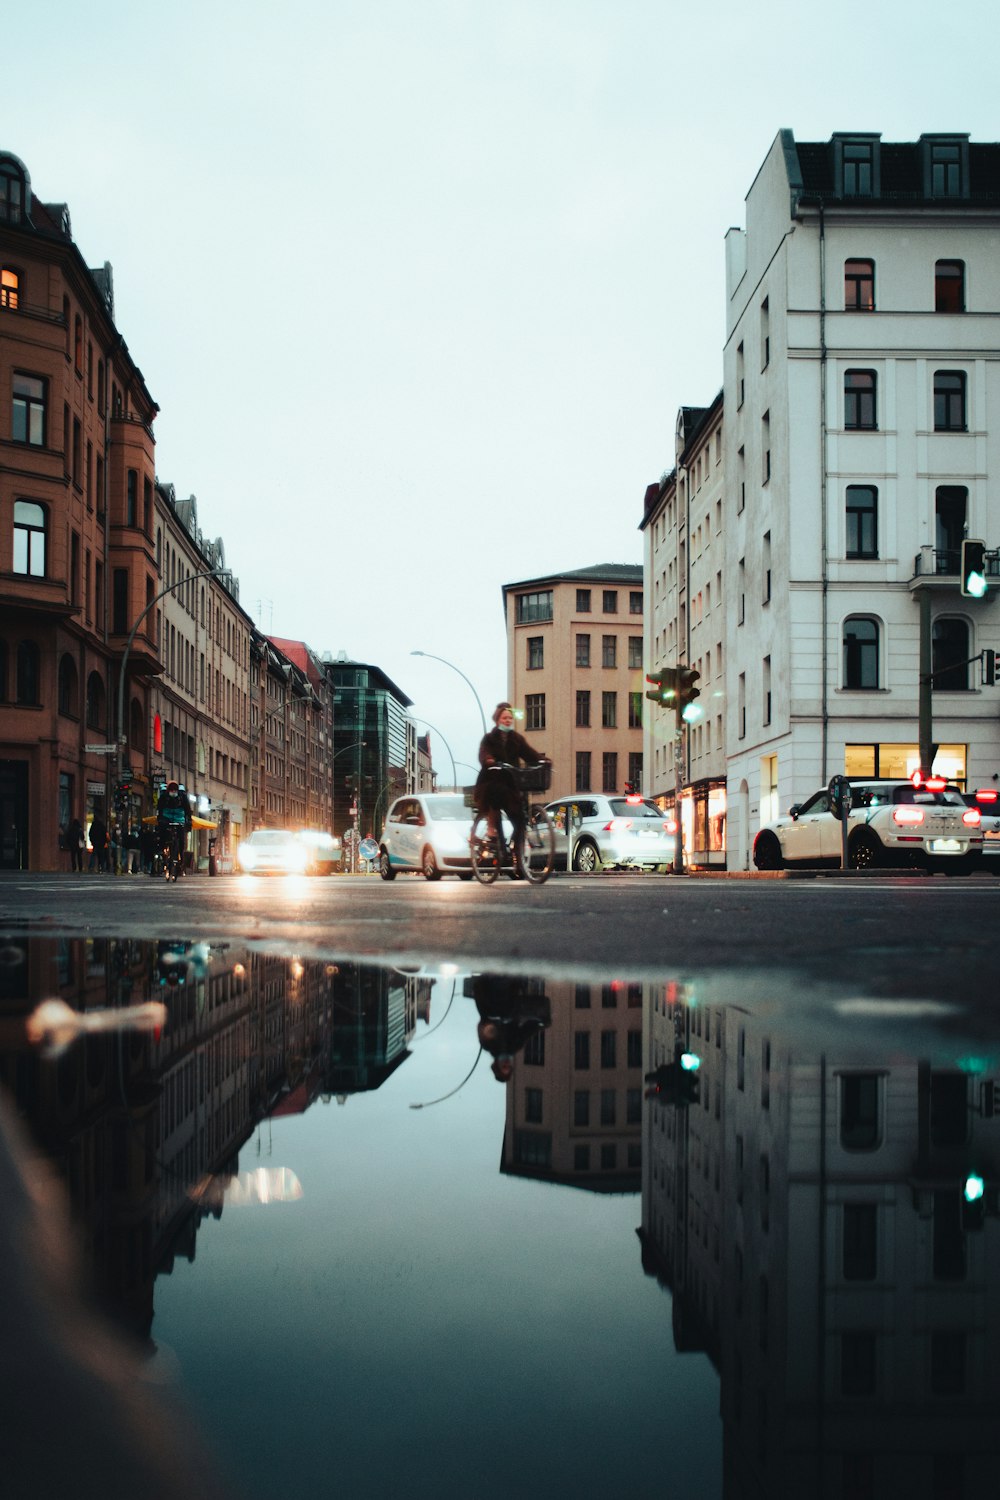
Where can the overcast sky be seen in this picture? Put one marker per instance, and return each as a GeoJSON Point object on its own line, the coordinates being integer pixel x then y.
{"type": "Point", "coordinates": [419, 285]}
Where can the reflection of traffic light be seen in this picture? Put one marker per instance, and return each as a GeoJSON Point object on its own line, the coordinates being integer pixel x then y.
{"type": "Point", "coordinates": [664, 685]}
{"type": "Point", "coordinates": [677, 1082]}
{"type": "Point", "coordinates": [973, 1202]}
{"type": "Point", "coordinates": [973, 568]}
{"type": "Point", "coordinates": [687, 692]}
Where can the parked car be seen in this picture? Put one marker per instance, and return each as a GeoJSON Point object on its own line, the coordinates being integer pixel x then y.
{"type": "Point", "coordinates": [890, 823]}
{"type": "Point", "coordinates": [988, 801]}
{"type": "Point", "coordinates": [598, 831]}
{"type": "Point", "coordinates": [428, 832]}
{"type": "Point", "coordinates": [323, 851]}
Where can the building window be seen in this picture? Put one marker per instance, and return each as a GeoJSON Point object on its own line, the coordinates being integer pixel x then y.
{"type": "Point", "coordinates": [635, 769]}
{"type": "Point", "coordinates": [765, 333]}
{"type": "Point", "coordinates": [119, 601]}
{"type": "Point", "coordinates": [766, 689]}
{"type": "Point", "coordinates": [534, 711]}
{"type": "Point", "coordinates": [860, 1127]}
{"type": "Point", "coordinates": [859, 286]}
{"type": "Point", "coordinates": [131, 497]}
{"type": "Point", "coordinates": [741, 707]}
{"type": "Point", "coordinates": [950, 654]}
{"type": "Point", "coordinates": [635, 651]}
{"type": "Point", "coordinates": [609, 651]}
{"type": "Point", "coordinates": [635, 602]}
{"type": "Point", "coordinates": [583, 650]}
{"type": "Point", "coordinates": [532, 607]}
{"type": "Point", "coordinates": [609, 1050]}
{"type": "Point", "coordinates": [607, 1111]}
{"type": "Point", "coordinates": [609, 710]}
{"type": "Point", "coordinates": [860, 1242]}
{"type": "Point", "coordinates": [583, 708]}
{"type": "Point", "coordinates": [857, 179]}
{"type": "Point", "coordinates": [859, 401]}
{"type": "Point", "coordinates": [29, 538]}
{"type": "Point", "coordinates": [765, 447]}
{"type": "Point", "coordinates": [581, 1050]}
{"type": "Point", "coordinates": [533, 1106]}
{"type": "Point", "coordinates": [583, 601]}
{"type": "Point", "coordinates": [583, 771]}
{"type": "Point", "coordinates": [68, 688]}
{"type": "Point", "coordinates": [950, 508]}
{"type": "Point", "coordinates": [536, 652]}
{"type": "Point", "coordinates": [949, 401]}
{"type": "Point", "coordinates": [741, 480]}
{"type": "Point", "coordinates": [949, 286]}
{"type": "Point", "coordinates": [948, 1362]}
{"type": "Point", "coordinates": [740, 377]}
{"type": "Point", "coordinates": [741, 592]}
{"type": "Point", "coordinates": [946, 176]}
{"type": "Point", "coordinates": [10, 288]}
{"type": "Point", "coordinates": [766, 568]}
{"type": "Point", "coordinates": [26, 685]}
{"type": "Point", "coordinates": [609, 771]}
{"type": "Point", "coordinates": [634, 712]}
{"type": "Point", "coordinates": [862, 520]}
{"type": "Point", "coordinates": [861, 652]}
{"type": "Point", "coordinates": [581, 1105]}
{"type": "Point", "coordinates": [28, 418]}
{"type": "Point", "coordinates": [78, 344]}
{"type": "Point", "coordinates": [857, 1364]}
{"type": "Point", "coordinates": [610, 605]}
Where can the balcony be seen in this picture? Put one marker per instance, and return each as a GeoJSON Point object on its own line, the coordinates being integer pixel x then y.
{"type": "Point", "coordinates": [940, 569]}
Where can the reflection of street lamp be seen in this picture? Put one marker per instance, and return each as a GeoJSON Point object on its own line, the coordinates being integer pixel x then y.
{"type": "Point", "coordinates": [461, 674]}
{"type": "Point", "coordinates": [454, 774]}
{"type": "Point", "coordinates": [357, 796]}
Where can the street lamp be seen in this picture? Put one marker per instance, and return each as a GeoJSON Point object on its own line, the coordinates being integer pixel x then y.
{"type": "Point", "coordinates": [461, 674]}
{"type": "Point", "coordinates": [454, 773]}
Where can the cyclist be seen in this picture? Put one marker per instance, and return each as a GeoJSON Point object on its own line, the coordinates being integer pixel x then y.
{"type": "Point", "coordinates": [496, 791]}
{"type": "Point", "coordinates": [173, 817]}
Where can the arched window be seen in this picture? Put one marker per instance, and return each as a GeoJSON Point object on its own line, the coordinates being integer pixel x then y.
{"type": "Point", "coordinates": [860, 652]}
{"type": "Point", "coordinates": [29, 538]}
{"type": "Point", "coordinates": [96, 699]}
{"type": "Point", "coordinates": [27, 673]}
{"type": "Point", "coordinates": [950, 655]}
{"type": "Point", "coordinates": [69, 687]}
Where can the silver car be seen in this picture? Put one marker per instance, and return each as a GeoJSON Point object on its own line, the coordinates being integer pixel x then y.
{"type": "Point", "coordinates": [429, 832]}
{"type": "Point", "coordinates": [597, 831]}
{"type": "Point", "coordinates": [988, 802]}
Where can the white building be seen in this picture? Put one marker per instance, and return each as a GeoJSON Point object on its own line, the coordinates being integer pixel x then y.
{"type": "Point", "coordinates": [862, 443]}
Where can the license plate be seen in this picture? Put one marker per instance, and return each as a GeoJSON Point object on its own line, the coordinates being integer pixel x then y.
{"type": "Point", "coordinates": [946, 846]}
{"type": "Point", "coordinates": [991, 833]}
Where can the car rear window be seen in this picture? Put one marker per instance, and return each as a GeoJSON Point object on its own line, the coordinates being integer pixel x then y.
{"type": "Point", "coordinates": [621, 807]}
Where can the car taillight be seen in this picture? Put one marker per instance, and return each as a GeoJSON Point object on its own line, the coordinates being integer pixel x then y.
{"type": "Point", "coordinates": [972, 816]}
{"type": "Point", "coordinates": [986, 794]}
{"type": "Point", "coordinates": [670, 826]}
{"type": "Point", "coordinates": [936, 783]}
{"type": "Point", "coordinates": [618, 825]}
{"type": "Point", "coordinates": [907, 814]}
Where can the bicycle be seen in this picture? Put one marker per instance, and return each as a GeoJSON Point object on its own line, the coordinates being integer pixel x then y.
{"type": "Point", "coordinates": [170, 854]}
{"type": "Point", "coordinates": [537, 854]}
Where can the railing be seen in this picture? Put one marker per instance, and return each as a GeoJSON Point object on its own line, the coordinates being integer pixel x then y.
{"type": "Point", "coordinates": [947, 563]}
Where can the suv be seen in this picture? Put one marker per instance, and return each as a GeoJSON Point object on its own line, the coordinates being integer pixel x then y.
{"type": "Point", "coordinates": [890, 823]}
{"type": "Point", "coordinates": [613, 832]}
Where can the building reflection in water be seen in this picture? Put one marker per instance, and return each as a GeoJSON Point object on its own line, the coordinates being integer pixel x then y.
{"type": "Point", "coordinates": [803, 1203]}
{"type": "Point", "coordinates": [808, 1211]}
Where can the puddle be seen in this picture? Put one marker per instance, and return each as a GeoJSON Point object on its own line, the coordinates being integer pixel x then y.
{"type": "Point", "coordinates": [451, 1231]}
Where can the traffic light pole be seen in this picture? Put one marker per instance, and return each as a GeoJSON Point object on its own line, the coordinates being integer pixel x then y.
{"type": "Point", "coordinates": [679, 727]}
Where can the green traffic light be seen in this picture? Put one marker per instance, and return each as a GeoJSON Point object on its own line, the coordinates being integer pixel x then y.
{"type": "Point", "coordinates": [974, 1188]}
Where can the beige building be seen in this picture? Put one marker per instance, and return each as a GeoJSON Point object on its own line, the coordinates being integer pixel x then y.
{"type": "Point", "coordinates": [575, 671]}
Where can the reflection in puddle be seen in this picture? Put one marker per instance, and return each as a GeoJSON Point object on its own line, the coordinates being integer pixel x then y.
{"type": "Point", "coordinates": [816, 1207]}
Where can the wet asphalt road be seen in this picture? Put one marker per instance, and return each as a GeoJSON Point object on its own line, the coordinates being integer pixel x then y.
{"type": "Point", "coordinates": [884, 935]}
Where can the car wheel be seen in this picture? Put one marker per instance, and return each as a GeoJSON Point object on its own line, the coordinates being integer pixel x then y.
{"type": "Point", "coordinates": [586, 857]}
{"type": "Point", "coordinates": [465, 877]}
{"type": "Point", "coordinates": [384, 867]}
{"type": "Point", "coordinates": [429, 865]}
{"type": "Point", "coordinates": [767, 852]}
{"type": "Point", "coordinates": [864, 852]}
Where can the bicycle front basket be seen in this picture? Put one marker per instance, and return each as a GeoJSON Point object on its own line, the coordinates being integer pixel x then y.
{"type": "Point", "coordinates": [534, 778]}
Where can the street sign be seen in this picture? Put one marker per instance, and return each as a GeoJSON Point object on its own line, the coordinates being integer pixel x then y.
{"type": "Point", "coordinates": [101, 749]}
{"type": "Point", "coordinates": [96, 788]}
{"type": "Point", "coordinates": [368, 848]}
{"type": "Point", "coordinates": [125, 774]}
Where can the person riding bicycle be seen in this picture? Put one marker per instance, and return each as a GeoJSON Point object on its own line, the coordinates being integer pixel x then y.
{"type": "Point", "coordinates": [173, 816]}
{"type": "Point", "coordinates": [496, 791]}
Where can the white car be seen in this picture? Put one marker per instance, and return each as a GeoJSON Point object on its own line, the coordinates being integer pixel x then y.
{"type": "Point", "coordinates": [890, 823]}
{"type": "Point", "coordinates": [596, 831]}
{"type": "Point", "coordinates": [428, 832]}
{"type": "Point", "coordinates": [988, 802]}
{"type": "Point", "coordinates": [273, 851]}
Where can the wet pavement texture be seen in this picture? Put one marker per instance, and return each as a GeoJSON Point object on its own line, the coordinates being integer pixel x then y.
{"type": "Point", "coordinates": [442, 1229]}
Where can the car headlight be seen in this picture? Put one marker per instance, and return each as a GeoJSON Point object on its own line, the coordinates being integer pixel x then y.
{"type": "Point", "coordinates": [246, 857]}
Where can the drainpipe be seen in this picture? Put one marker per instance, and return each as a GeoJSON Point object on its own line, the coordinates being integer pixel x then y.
{"type": "Point", "coordinates": [823, 507]}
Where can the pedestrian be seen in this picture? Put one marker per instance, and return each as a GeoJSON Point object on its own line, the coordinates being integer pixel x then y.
{"type": "Point", "coordinates": [98, 845]}
{"type": "Point", "coordinates": [76, 843]}
{"type": "Point", "coordinates": [133, 850]}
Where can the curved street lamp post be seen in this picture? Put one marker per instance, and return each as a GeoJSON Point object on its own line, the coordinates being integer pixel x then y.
{"type": "Point", "coordinates": [461, 674]}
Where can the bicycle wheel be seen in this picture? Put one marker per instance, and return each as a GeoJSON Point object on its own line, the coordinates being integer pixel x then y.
{"type": "Point", "coordinates": [539, 848]}
{"type": "Point", "coordinates": [483, 852]}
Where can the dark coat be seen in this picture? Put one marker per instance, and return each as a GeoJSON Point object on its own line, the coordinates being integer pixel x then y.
{"type": "Point", "coordinates": [496, 789]}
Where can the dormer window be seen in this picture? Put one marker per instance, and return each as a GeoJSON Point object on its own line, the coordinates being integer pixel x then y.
{"type": "Point", "coordinates": [946, 166]}
{"type": "Point", "coordinates": [15, 192]}
{"type": "Point", "coordinates": [856, 166]}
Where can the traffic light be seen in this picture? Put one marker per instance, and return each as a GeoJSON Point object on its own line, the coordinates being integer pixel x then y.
{"type": "Point", "coordinates": [665, 685]}
{"type": "Point", "coordinates": [687, 692]}
{"type": "Point", "coordinates": [973, 1202]}
{"type": "Point", "coordinates": [988, 676]}
{"type": "Point", "coordinates": [677, 1082]}
{"type": "Point", "coordinates": [973, 569]}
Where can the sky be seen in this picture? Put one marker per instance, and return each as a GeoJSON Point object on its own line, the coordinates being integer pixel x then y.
{"type": "Point", "coordinates": [419, 285]}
